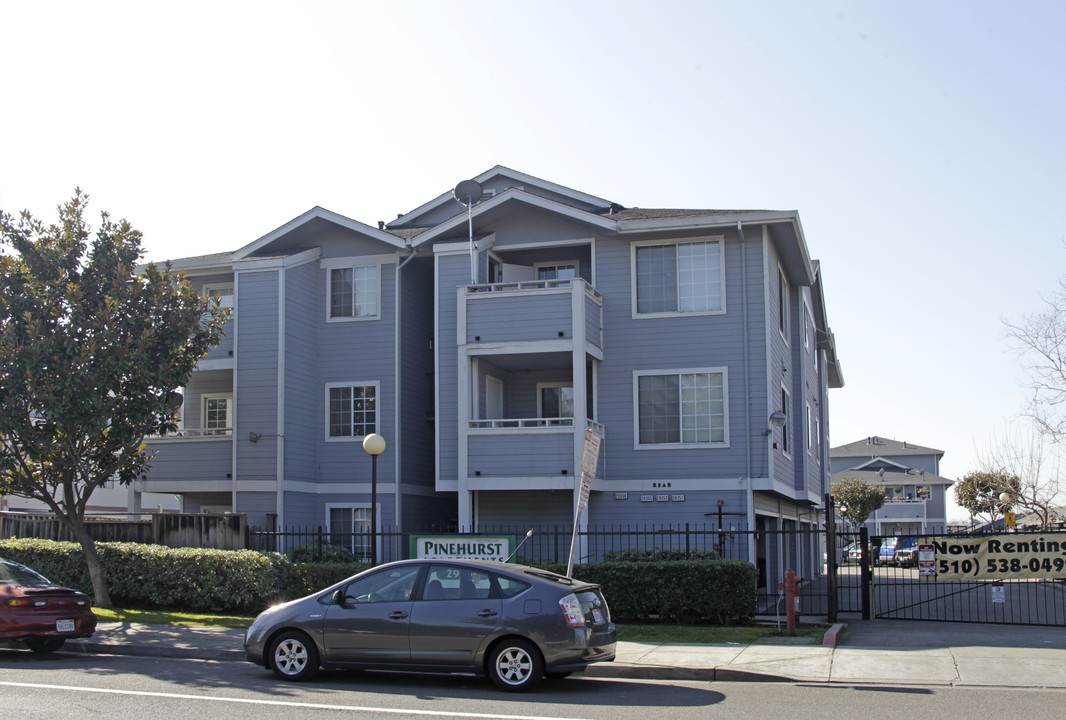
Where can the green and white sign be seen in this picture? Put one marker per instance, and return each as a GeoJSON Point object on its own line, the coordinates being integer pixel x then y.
{"type": "Point", "coordinates": [472, 547]}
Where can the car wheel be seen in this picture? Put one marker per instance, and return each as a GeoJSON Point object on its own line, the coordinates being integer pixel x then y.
{"type": "Point", "coordinates": [44, 645]}
{"type": "Point", "coordinates": [515, 666]}
{"type": "Point", "coordinates": [293, 656]}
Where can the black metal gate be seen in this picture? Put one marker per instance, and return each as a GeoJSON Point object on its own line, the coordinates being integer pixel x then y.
{"type": "Point", "coordinates": [1011, 579]}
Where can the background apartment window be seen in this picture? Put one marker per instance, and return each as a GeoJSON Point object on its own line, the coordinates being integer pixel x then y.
{"type": "Point", "coordinates": [352, 410]}
{"type": "Point", "coordinates": [684, 408]}
{"type": "Point", "coordinates": [683, 277]}
{"type": "Point", "coordinates": [353, 292]}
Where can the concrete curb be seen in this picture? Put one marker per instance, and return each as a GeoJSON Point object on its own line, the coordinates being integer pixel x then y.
{"type": "Point", "coordinates": [92, 647]}
{"type": "Point", "coordinates": [831, 635]}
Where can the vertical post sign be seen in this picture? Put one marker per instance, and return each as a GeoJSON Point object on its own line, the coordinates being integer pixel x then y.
{"type": "Point", "coordinates": [590, 457]}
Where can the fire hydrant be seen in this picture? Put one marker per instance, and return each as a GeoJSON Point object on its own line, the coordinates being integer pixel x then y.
{"type": "Point", "coordinates": [791, 586]}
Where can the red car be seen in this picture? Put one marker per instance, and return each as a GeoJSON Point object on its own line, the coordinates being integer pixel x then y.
{"type": "Point", "coordinates": [39, 613]}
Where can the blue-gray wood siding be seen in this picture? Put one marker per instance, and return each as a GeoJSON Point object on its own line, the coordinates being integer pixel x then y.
{"type": "Point", "coordinates": [696, 341]}
{"type": "Point", "coordinates": [257, 374]}
{"type": "Point", "coordinates": [452, 271]}
{"type": "Point", "coordinates": [190, 459]}
{"type": "Point", "coordinates": [303, 398]}
{"type": "Point", "coordinates": [522, 454]}
{"type": "Point", "coordinates": [359, 351]}
{"type": "Point", "coordinates": [525, 316]}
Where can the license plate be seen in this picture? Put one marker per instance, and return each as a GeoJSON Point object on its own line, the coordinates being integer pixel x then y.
{"type": "Point", "coordinates": [597, 616]}
{"type": "Point", "coordinates": [64, 626]}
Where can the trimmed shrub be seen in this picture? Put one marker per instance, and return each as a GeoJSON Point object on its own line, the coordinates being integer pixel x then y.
{"type": "Point", "coordinates": [302, 579]}
{"type": "Point", "coordinates": [321, 553]}
{"type": "Point", "coordinates": [716, 591]}
{"type": "Point", "coordinates": [154, 575]}
{"type": "Point", "coordinates": [659, 555]}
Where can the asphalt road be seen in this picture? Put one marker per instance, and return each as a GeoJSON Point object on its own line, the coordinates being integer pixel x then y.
{"type": "Point", "coordinates": [67, 685]}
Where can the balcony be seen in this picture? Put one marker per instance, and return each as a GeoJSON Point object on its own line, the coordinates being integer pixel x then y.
{"type": "Point", "coordinates": [190, 460]}
{"type": "Point", "coordinates": [536, 452]}
{"type": "Point", "coordinates": [532, 311]}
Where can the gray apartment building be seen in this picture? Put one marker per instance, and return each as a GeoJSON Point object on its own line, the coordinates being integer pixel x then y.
{"type": "Point", "coordinates": [483, 343]}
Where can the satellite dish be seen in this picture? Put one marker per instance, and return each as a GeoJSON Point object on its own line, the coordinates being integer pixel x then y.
{"type": "Point", "coordinates": [468, 192]}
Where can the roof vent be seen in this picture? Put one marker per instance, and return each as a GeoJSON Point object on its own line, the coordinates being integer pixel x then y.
{"type": "Point", "coordinates": [381, 224]}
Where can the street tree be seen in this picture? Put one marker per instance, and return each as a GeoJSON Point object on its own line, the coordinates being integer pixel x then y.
{"type": "Point", "coordinates": [1040, 341]}
{"type": "Point", "coordinates": [92, 353]}
{"type": "Point", "coordinates": [1023, 474]}
{"type": "Point", "coordinates": [979, 492]}
{"type": "Point", "coordinates": [857, 500]}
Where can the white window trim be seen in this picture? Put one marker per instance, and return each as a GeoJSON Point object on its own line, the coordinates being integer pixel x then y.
{"type": "Point", "coordinates": [784, 305]}
{"type": "Point", "coordinates": [354, 383]}
{"type": "Point", "coordinates": [208, 287]}
{"type": "Point", "coordinates": [204, 398]}
{"type": "Point", "coordinates": [637, 374]}
{"type": "Point", "coordinates": [353, 507]}
{"type": "Point", "coordinates": [810, 429]}
{"type": "Point", "coordinates": [786, 430]}
{"type": "Point", "coordinates": [541, 386]}
{"type": "Point", "coordinates": [374, 261]}
{"type": "Point", "coordinates": [344, 506]}
{"type": "Point", "coordinates": [719, 239]}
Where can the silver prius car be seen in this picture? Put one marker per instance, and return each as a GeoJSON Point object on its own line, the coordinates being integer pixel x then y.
{"type": "Point", "coordinates": [513, 623]}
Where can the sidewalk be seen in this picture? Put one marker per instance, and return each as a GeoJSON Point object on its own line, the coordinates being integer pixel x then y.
{"type": "Point", "coordinates": [882, 652]}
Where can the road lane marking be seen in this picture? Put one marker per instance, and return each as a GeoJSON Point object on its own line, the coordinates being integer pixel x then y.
{"type": "Point", "coordinates": [282, 703]}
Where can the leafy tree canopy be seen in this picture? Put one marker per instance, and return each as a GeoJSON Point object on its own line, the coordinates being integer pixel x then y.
{"type": "Point", "coordinates": [92, 353]}
{"type": "Point", "coordinates": [979, 492]}
{"type": "Point", "coordinates": [857, 500]}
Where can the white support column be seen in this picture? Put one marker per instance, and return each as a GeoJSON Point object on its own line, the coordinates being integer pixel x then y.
{"type": "Point", "coordinates": [580, 382]}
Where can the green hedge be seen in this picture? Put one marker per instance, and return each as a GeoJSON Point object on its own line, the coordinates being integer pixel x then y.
{"type": "Point", "coordinates": [305, 578]}
{"type": "Point", "coordinates": [682, 591]}
{"type": "Point", "coordinates": [158, 576]}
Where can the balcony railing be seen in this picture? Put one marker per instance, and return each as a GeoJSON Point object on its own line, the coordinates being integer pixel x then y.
{"type": "Point", "coordinates": [513, 423]}
{"type": "Point", "coordinates": [194, 434]}
{"type": "Point", "coordinates": [521, 423]}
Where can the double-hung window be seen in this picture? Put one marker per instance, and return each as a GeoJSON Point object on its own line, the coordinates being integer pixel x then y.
{"type": "Point", "coordinates": [349, 527]}
{"type": "Point", "coordinates": [353, 292]}
{"type": "Point", "coordinates": [678, 277]}
{"type": "Point", "coordinates": [351, 410]}
{"type": "Point", "coordinates": [216, 414]}
{"type": "Point", "coordinates": [681, 408]}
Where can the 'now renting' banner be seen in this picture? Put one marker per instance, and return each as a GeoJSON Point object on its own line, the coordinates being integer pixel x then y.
{"type": "Point", "coordinates": [1001, 557]}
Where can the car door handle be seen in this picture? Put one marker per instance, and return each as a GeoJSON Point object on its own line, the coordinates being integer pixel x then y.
{"type": "Point", "coordinates": [397, 615]}
{"type": "Point", "coordinates": [486, 613]}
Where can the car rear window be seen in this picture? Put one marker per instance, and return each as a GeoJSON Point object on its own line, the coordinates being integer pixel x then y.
{"type": "Point", "coordinates": [509, 587]}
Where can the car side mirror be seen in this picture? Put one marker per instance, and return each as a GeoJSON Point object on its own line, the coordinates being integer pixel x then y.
{"type": "Point", "coordinates": [338, 597]}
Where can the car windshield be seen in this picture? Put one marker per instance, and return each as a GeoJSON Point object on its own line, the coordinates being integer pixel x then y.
{"type": "Point", "coordinates": [15, 574]}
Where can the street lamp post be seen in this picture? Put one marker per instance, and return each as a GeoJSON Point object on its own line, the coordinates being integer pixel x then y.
{"type": "Point", "coordinates": [374, 445]}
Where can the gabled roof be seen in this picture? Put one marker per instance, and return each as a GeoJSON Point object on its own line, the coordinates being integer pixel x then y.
{"type": "Point", "coordinates": [900, 477]}
{"type": "Point", "coordinates": [311, 223]}
{"type": "Point", "coordinates": [510, 177]}
{"type": "Point", "coordinates": [874, 446]}
{"type": "Point", "coordinates": [504, 203]}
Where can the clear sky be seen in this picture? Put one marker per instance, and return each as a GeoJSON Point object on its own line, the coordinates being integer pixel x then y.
{"type": "Point", "coordinates": [921, 142]}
